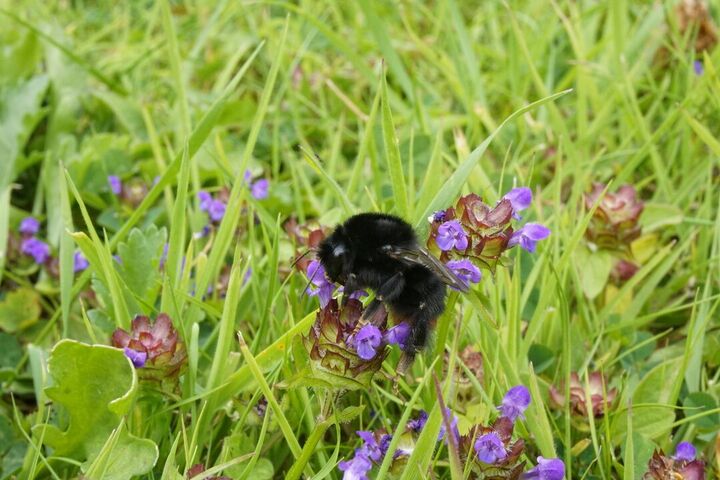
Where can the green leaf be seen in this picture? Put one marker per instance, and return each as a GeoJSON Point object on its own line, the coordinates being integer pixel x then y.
{"type": "Point", "coordinates": [10, 351]}
{"type": "Point", "coordinates": [241, 444]}
{"type": "Point", "coordinates": [20, 53]}
{"type": "Point", "coordinates": [19, 310]}
{"type": "Point", "coordinates": [593, 269]}
{"type": "Point", "coordinates": [140, 257]}
{"type": "Point", "coordinates": [20, 111]}
{"type": "Point", "coordinates": [95, 385]}
{"type": "Point", "coordinates": [657, 215]}
{"type": "Point", "coordinates": [701, 402]}
{"type": "Point", "coordinates": [652, 403]}
{"type": "Point", "coordinates": [392, 156]}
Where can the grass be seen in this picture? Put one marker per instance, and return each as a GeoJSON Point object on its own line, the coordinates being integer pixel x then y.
{"type": "Point", "coordinates": [349, 107]}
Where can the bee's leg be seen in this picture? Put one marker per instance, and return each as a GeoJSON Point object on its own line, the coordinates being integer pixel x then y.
{"type": "Point", "coordinates": [388, 291]}
{"type": "Point", "coordinates": [351, 286]}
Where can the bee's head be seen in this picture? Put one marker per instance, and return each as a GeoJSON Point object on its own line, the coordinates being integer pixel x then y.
{"type": "Point", "coordinates": [333, 253]}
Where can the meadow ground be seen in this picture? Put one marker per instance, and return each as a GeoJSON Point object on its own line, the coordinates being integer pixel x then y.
{"type": "Point", "coordinates": [171, 159]}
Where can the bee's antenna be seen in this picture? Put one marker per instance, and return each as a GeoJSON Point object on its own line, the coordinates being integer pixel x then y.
{"type": "Point", "coordinates": [303, 255]}
{"type": "Point", "coordinates": [308, 283]}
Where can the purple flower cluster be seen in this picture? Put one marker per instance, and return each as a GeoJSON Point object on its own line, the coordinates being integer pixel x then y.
{"type": "Point", "coordinates": [369, 339]}
{"type": "Point", "coordinates": [496, 452]}
{"type": "Point", "coordinates": [472, 235]}
{"type": "Point", "coordinates": [547, 469]}
{"type": "Point", "coordinates": [684, 464]}
{"type": "Point", "coordinates": [259, 188]}
{"type": "Point", "coordinates": [451, 236]}
{"type": "Point", "coordinates": [515, 402]}
{"type": "Point", "coordinates": [374, 447]}
{"type": "Point", "coordinates": [214, 208]}
{"type": "Point", "coordinates": [321, 286]}
{"type": "Point", "coordinates": [31, 245]}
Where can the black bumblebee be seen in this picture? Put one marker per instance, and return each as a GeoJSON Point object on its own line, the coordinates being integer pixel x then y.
{"type": "Point", "coordinates": [381, 252]}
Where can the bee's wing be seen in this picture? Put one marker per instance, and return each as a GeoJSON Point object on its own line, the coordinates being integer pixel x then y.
{"type": "Point", "coordinates": [420, 256]}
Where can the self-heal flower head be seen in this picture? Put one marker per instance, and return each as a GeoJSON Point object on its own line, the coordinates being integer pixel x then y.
{"type": "Point", "coordinates": [547, 469]}
{"type": "Point", "coordinates": [520, 198]}
{"type": "Point", "coordinates": [39, 250]}
{"type": "Point", "coordinates": [615, 223]}
{"type": "Point", "coordinates": [80, 263]}
{"type": "Point", "coordinates": [216, 211]}
{"type": "Point", "coordinates": [417, 424]}
{"type": "Point", "coordinates": [528, 236]}
{"type": "Point", "coordinates": [366, 341]}
{"type": "Point", "coordinates": [515, 402]}
{"type": "Point", "coordinates": [338, 352]}
{"type": "Point", "coordinates": [138, 359]}
{"type": "Point", "coordinates": [680, 466]}
{"type": "Point", "coordinates": [323, 287]}
{"type": "Point", "coordinates": [370, 446]}
{"type": "Point", "coordinates": [490, 448]}
{"type": "Point", "coordinates": [398, 335]}
{"type": "Point", "coordinates": [205, 200]}
{"type": "Point", "coordinates": [451, 235]}
{"type": "Point", "coordinates": [115, 184]}
{"type": "Point", "coordinates": [165, 355]}
{"type": "Point", "coordinates": [357, 468]}
{"type": "Point", "coordinates": [465, 271]}
{"type": "Point", "coordinates": [684, 452]}
{"type": "Point", "coordinates": [599, 394]}
{"type": "Point", "coordinates": [29, 226]}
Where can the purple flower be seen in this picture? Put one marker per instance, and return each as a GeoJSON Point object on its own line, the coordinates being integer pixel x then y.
{"type": "Point", "coordinates": [138, 359]}
{"type": "Point", "coordinates": [39, 250]}
{"type": "Point", "coordinates": [80, 263]}
{"type": "Point", "coordinates": [370, 445]}
{"type": "Point", "coordinates": [418, 423]}
{"type": "Point", "coordinates": [323, 287]}
{"type": "Point", "coordinates": [698, 67]}
{"type": "Point", "coordinates": [247, 276]}
{"type": "Point", "coordinates": [451, 234]}
{"type": "Point", "coordinates": [357, 468]}
{"type": "Point", "coordinates": [115, 184]}
{"type": "Point", "coordinates": [684, 452]}
{"type": "Point", "coordinates": [547, 469]}
{"type": "Point", "coordinates": [438, 216]}
{"type": "Point", "coordinates": [216, 210]}
{"type": "Point", "coordinates": [260, 189]}
{"type": "Point", "coordinates": [385, 444]}
{"type": "Point", "coordinates": [205, 200]}
{"type": "Point", "coordinates": [366, 341]}
{"type": "Point", "coordinates": [520, 198]}
{"type": "Point", "coordinates": [528, 236]}
{"type": "Point", "coordinates": [465, 271]}
{"type": "Point", "coordinates": [29, 226]}
{"type": "Point", "coordinates": [515, 402]}
{"type": "Point", "coordinates": [358, 294]}
{"type": "Point", "coordinates": [490, 448]}
{"type": "Point", "coordinates": [453, 426]}
{"type": "Point", "coordinates": [398, 335]}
